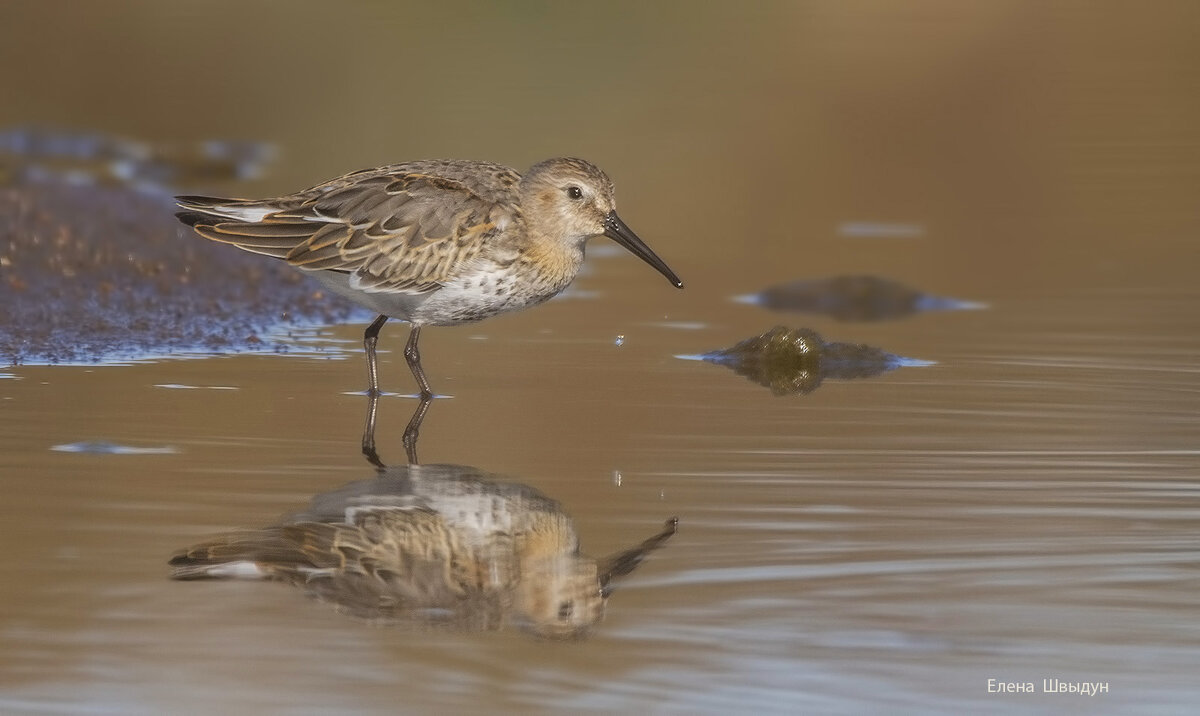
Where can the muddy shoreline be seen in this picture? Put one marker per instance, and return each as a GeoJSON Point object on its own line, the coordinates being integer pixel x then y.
{"type": "Point", "coordinates": [96, 273]}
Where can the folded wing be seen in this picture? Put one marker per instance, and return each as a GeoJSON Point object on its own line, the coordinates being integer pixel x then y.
{"type": "Point", "coordinates": [396, 231]}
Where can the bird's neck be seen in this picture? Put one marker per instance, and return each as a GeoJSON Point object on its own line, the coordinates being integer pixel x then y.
{"type": "Point", "coordinates": [556, 260]}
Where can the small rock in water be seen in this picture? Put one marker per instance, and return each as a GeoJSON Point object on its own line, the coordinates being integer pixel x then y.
{"type": "Point", "coordinates": [854, 298]}
{"type": "Point", "coordinates": [795, 360]}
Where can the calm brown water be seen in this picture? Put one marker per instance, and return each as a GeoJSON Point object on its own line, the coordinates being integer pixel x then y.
{"type": "Point", "coordinates": [1026, 509]}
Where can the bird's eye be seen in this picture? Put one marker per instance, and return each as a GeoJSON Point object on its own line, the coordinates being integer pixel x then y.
{"type": "Point", "coordinates": [574, 192]}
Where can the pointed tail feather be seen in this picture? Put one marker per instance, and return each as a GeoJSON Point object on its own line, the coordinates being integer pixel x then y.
{"type": "Point", "coordinates": [191, 218]}
{"type": "Point", "coordinates": [249, 555]}
{"type": "Point", "coordinates": [209, 208]}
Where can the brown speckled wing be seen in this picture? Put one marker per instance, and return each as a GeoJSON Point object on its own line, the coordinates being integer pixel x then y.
{"type": "Point", "coordinates": [408, 228]}
{"type": "Point", "coordinates": [389, 558]}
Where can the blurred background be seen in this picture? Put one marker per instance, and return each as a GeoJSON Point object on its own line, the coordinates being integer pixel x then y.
{"type": "Point", "coordinates": [1022, 510]}
{"type": "Point", "coordinates": [756, 121]}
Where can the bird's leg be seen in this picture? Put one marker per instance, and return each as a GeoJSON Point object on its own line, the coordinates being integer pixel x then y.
{"type": "Point", "coordinates": [413, 356]}
{"type": "Point", "coordinates": [368, 439]}
{"type": "Point", "coordinates": [412, 432]}
{"type": "Point", "coordinates": [370, 338]}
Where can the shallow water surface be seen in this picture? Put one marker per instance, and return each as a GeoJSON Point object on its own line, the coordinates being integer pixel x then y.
{"type": "Point", "coordinates": [1019, 503]}
{"type": "Point", "coordinates": [1022, 510]}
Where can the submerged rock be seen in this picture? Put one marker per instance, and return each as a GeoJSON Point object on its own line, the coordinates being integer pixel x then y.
{"type": "Point", "coordinates": [797, 360]}
{"type": "Point", "coordinates": [854, 298]}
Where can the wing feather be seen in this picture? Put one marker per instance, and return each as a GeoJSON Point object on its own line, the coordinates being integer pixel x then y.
{"type": "Point", "coordinates": [399, 229]}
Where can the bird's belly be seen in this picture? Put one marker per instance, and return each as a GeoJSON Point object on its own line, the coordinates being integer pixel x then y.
{"type": "Point", "coordinates": [472, 297]}
{"type": "Point", "coordinates": [482, 295]}
{"type": "Point", "coordinates": [396, 305]}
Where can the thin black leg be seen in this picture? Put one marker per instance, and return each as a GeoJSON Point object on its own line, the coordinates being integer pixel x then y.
{"type": "Point", "coordinates": [413, 356]}
{"type": "Point", "coordinates": [412, 432]}
{"type": "Point", "coordinates": [370, 338]}
{"type": "Point", "coordinates": [368, 439]}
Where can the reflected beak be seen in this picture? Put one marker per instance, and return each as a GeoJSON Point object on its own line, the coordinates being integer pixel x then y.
{"type": "Point", "coordinates": [622, 563]}
{"type": "Point", "coordinates": [616, 230]}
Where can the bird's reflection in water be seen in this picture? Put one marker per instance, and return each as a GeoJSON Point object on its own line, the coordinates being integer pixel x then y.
{"type": "Point", "coordinates": [431, 545]}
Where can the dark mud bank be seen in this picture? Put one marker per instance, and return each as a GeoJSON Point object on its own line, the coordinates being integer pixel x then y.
{"type": "Point", "coordinates": [93, 273]}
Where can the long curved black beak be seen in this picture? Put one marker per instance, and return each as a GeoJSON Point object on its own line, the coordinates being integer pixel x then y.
{"type": "Point", "coordinates": [616, 230]}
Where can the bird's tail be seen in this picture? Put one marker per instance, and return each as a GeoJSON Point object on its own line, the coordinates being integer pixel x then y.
{"type": "Point", "coordinates": [210, 209]}
{"type": "Point", "coordinates": [247, 224]}
{"type": "Point", "coordinates": [243, 555]}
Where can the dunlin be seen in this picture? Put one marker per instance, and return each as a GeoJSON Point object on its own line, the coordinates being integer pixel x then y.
{"type": "Point", "coordinates": [431, 544]}
{"type": "Point", "coordinates": [437, 242]}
